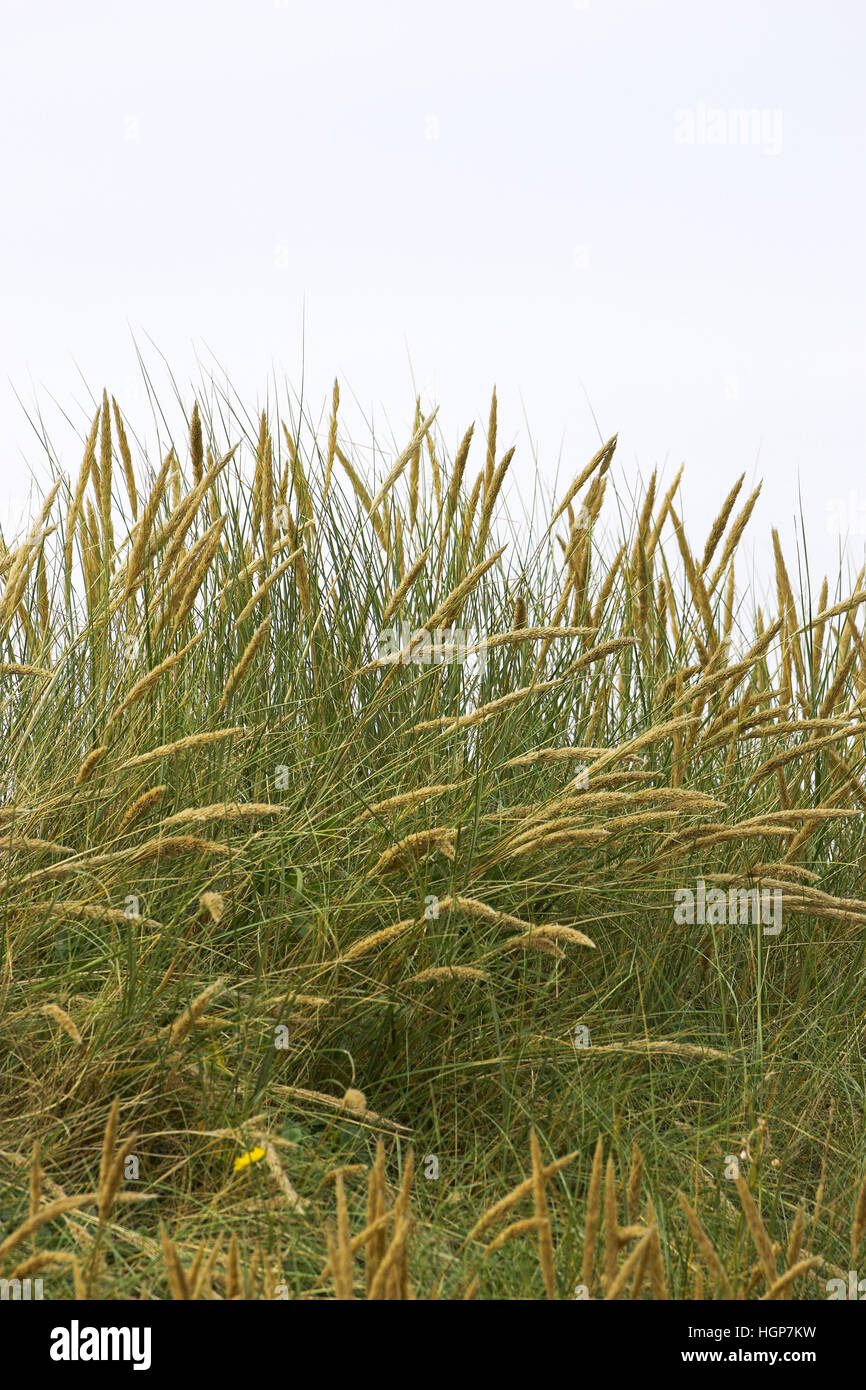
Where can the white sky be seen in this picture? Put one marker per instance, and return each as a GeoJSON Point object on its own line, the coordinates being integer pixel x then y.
{"type": "Point", "coordinates": [221, 178]}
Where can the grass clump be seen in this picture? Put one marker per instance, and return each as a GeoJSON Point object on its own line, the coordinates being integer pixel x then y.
{"type": "Point", "coordinates": [398, 904]}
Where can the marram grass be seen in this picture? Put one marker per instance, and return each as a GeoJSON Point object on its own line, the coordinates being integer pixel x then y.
{"type": "Point", "coordinates": [341, 829]}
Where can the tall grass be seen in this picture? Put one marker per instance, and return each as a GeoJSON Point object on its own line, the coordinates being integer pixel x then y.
{"type": "Point", "coordinates": [320, 947]}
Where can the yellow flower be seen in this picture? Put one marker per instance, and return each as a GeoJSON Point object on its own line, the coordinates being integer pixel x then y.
{"type": "Point", "coordinates": [246, 1159]}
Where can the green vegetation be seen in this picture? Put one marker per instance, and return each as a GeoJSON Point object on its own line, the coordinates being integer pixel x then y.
{"type": "Point", "coordinates": [282, 896]}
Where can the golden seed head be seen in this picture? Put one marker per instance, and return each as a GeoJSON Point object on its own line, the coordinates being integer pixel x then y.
{"type": "Point", "coordinates": [213, 903]}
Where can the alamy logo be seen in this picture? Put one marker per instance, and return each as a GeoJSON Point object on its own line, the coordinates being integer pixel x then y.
{"type": "Point", "coordinates": [735, 125]}
{"type": "Point", "coordinates": [847, 515]}
{"type": "Point", "coordinates": [855, 1288]}
{"type": "Point", "coordinates": [714, 907]}
{"type": "Point", "coordinates": [420, 647]}
{"type": "Point", "coordinates": [17, 1289]}
{"type": "Point", "coordinates": [75, 1343]}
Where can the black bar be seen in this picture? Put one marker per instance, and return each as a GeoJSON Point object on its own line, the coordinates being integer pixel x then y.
{"type": "Point", "coordinates": [251, 1340]}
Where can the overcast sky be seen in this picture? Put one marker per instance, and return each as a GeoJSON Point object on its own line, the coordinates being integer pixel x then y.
{"type": "Point", "coordinates": [634, 217]}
